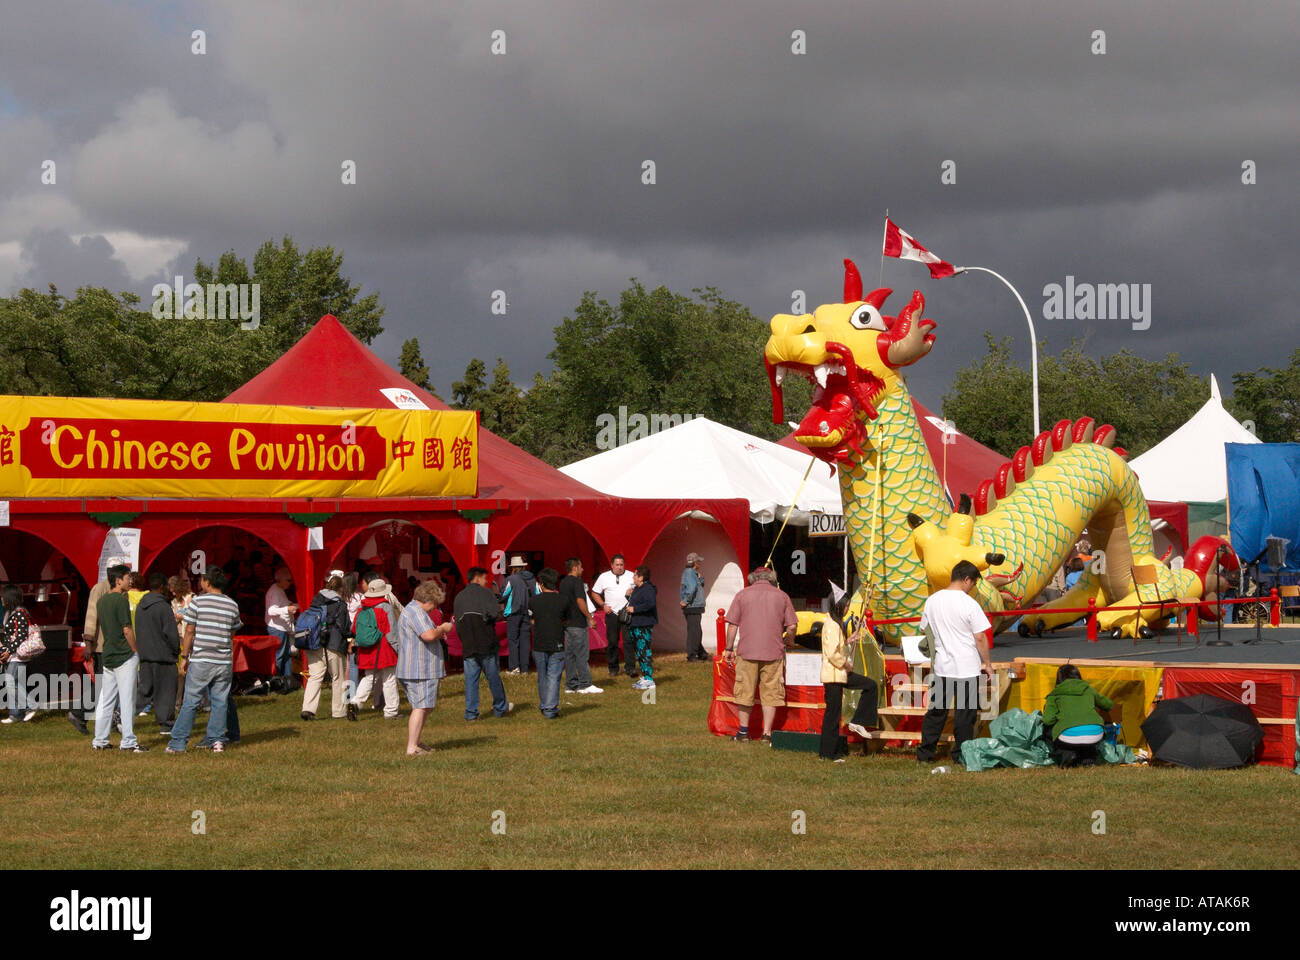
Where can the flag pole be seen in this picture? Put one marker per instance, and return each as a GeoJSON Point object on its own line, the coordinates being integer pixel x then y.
{"type": "Point", "coordinates": [884, 235]}
{"type": "Point", "coordinates": [1033, 337]}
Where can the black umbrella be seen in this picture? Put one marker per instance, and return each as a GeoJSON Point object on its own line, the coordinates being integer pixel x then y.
{"type": "Point", "coordinates": [1203, 732]}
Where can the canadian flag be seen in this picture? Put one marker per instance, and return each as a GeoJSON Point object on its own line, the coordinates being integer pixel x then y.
{"type": "Point", "coordinates": [901, 244]}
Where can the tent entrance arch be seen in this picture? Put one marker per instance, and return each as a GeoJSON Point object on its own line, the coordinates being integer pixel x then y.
{"type": "Point", "coordinates": [693, 532]}
{"type": "Point", "coordinates": [402, 550]}
{"type": "Point", "coordinates": [249, 561]}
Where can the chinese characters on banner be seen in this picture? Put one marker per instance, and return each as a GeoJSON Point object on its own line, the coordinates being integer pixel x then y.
{"type": "Point", "coordinates": [74, 447]}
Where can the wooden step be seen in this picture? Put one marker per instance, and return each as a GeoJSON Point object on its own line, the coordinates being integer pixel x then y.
{"type": "Point", "coordinates": [902, 735]}
{"type": "Point", "coordinates": [903, 711]}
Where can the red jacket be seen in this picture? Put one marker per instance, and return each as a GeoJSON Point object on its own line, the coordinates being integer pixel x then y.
{"type": "Point", "coordinates": [382, 654]}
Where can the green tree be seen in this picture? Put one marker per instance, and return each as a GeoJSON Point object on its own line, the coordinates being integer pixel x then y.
{"type": "Point", "coordinates": [655, 353]}
{"type": "Point", "coordinates": [991, 399]}
{"type": "Point", "coordinates": [470, 393]}
{"type": "Point", "coordinates": [411, 364]}
{"type": "Point", "coordinates": [1270, 398]}
{"type": "Point", "coordinates": [296, 290]}
{"type": "Point", "coordinates": [102, 344]}
{"type": "Point", "coordinates": [503, 404]}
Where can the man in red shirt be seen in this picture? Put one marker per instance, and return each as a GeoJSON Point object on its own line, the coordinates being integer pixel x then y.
{"type": "Point", "coordinates": [764, 617]}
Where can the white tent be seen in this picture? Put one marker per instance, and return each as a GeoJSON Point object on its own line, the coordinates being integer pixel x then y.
{"type": "Point", "coordinates": [704, 459]}
{"type": "Point", "coordinates": [1189, 465]}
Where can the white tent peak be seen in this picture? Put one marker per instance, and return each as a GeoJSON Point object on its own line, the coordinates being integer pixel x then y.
{"type": "Point", "coordinates": [701, 459]}
{"type": "Point", "coordinates": [1190, 465]}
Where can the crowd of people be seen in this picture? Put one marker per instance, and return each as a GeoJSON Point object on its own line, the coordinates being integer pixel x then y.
{"type": "Point", "coordinates": [155, 645]}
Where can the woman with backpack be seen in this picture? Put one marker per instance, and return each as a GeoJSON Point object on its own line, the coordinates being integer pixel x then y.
{"type": "Point", "coordinates": [12, 636]}
{"type": "Point", "coordinates": [376, 655]}
{"type": "Point", "coordinates": [328, 615]}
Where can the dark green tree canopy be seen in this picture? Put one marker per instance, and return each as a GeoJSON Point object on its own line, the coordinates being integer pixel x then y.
{"type": "Point", "coordinates": [1270, 398]}
{"type": "Point", "coordinates": [991, 398]}
{"type": "Point", "coordinates": [98, 343]}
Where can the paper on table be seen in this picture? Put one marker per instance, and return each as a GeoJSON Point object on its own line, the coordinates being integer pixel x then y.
{"type": "Point", "coordinates": [803, 669]}
{"type": "Point", "coordinates": [912, 650]}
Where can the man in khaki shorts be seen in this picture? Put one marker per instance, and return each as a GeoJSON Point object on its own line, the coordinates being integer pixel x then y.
{"type": "Point", "coordinates": [764, 617]}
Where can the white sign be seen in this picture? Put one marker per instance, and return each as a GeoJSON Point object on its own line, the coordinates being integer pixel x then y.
{"type": "Point", "coordinates": [315, 538]}
{"type": "Point", "coordinates": [4, 513]}
{"type": "Point", "coordinates": [480, 534]}
{"type": "Point", "coordinates": [403, 398]}
{"type": "Point", "coordinates": [825, 524]}
{"type": "Point", "coordinates": [121, 545]}
{"type": "Point", "coordinates": [803, 669]}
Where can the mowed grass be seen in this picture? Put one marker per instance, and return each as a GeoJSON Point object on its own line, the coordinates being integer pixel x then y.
{"type": "Point", "coordinates": [614, 783]}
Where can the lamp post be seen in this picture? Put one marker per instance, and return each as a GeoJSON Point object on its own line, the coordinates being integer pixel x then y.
{"type": "Point", "coordinates": [1033, 337]}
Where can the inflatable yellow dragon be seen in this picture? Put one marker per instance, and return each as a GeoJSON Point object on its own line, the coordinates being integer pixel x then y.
{"type": "Point", "coordinates": [1019, 526]}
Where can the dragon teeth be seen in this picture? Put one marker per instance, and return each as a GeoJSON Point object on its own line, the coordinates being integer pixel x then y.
{"type": "Point", "coordinates": [780, 375]}
{"type": "Point", "coordinates": [821, 373]}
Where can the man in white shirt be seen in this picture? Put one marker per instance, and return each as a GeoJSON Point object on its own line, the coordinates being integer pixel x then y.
{"type": "Point", "coordinates": [611, 589]}
{"type": "Point", "coordinates": [280, 613]}
{"type": "Point", "coordinates": [961, 654]}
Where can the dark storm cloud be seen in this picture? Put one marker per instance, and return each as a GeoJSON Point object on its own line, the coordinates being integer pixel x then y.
{"type": "Point", "coordinates": [523, 172]}
{"type": "Point", "coordinates": [53, 257]}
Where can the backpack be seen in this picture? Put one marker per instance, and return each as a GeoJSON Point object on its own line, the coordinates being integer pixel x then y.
{"type": "Point", "coordinates": [307, 629]}
{"type": "Point", "coordinates": [366, 628]}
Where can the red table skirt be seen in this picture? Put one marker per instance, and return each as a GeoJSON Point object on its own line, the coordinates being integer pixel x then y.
{"type": "Point", "coordinates": [255, 654]}
{"type": "Point", "coordinates": [802, 712]}
{"type": "Point", "coordinates": [252, 654]}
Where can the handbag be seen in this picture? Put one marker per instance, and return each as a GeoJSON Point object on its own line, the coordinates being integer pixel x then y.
{"type": "Point", "coordinates": [625, 616]}
{"type": "Point", "coordinates": [33, 646]}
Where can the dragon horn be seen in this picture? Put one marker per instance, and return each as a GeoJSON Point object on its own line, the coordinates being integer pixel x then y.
{"type": "Point", "coordinates": [852, 282]}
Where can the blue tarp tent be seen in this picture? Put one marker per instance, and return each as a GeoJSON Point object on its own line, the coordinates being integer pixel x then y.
{"type": "Point", "coordinates": [1264, 498]}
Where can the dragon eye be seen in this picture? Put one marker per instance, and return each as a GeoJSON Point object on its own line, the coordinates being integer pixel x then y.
{"type": "Point", "coordinates": [867, 317]}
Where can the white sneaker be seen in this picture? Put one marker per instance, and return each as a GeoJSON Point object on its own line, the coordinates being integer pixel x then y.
{"type": "Point", "coordinates": [143, 713]}
{"type": "Point", "coordinates": [11, 719]}
{"type": "Point", "coordinates": [29, 716]}
{"type": "Point", "coordinates": [860, 730]}
{"type": "Point", "coordinates": [591, 688]}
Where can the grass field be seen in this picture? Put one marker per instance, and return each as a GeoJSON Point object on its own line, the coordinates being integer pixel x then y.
{"type": "Point", "coordinates": [614, 783]}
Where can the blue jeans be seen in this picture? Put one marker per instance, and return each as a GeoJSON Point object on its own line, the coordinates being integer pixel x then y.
{"type": "Point", "coordinates": [550, 666]}
{"type": "Point", "coordinates": [283, 659]}
{"type": "Point", "coordinates": [119, 683]}
{"type": "Point", "coordinates": [213, 679]}
{"type": "Point", "coordinates": [577, 650]}
{"type": "Point", "coordinates": [16, 692]}
{"type": "Point", "coordinates": [474, 666]}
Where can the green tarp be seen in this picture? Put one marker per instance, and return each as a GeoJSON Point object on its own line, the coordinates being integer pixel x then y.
{"type": "Point", "coordinates": [1016, 740]}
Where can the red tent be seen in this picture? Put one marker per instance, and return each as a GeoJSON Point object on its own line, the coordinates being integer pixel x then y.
{"type": "Point", "coordinates": [522, 502]}
{"type": "Point", "coordinates": [329, 367]}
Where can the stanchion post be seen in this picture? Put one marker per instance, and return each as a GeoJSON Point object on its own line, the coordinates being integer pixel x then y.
{"type": "Point", "coordinates": [1193, 624]}
{"type": "Point", "coordinates": [1274, 609]}
{"type": "Point", "coordinates": [1092, 619]}
{"type": "Point", "coordinates": [721, 634]}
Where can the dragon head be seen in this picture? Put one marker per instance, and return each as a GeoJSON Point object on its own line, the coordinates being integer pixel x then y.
{"type": "Point", "coordinates": [852, 356]}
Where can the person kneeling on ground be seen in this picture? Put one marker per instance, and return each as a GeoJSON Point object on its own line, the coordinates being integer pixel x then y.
{"type": "Point", "coordinates": [420, 664]}
{"type": "Point", "coordinates": [837, 673]}
{"type": "Point", "coordinates": [1071, 723]}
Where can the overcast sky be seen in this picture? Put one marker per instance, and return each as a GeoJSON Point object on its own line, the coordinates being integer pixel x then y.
{"type": "Point", "coordinates": [523, 171]}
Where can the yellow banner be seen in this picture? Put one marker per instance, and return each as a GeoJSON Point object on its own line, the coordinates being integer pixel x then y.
{"type": "Point", "coordinates": [87, 447]}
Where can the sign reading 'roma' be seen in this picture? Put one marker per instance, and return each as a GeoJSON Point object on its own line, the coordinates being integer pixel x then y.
{"type": "Point", "coordinates": [74, 447]}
